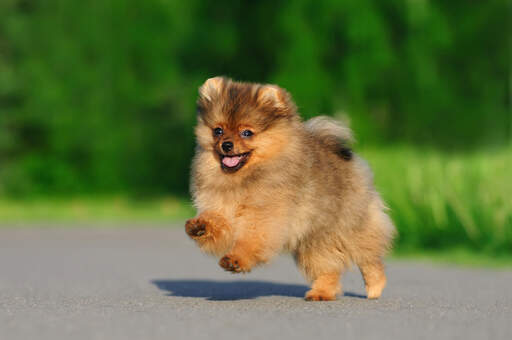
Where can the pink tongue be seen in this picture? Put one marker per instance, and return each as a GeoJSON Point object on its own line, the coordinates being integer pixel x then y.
{"type": "Point", "coordinates": [231, 161]}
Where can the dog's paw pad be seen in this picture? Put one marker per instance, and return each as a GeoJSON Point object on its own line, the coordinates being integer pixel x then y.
{"type": "Point", "coordinates": [195, 228]}
{"type": "Point", "coordinates": [231, 264]}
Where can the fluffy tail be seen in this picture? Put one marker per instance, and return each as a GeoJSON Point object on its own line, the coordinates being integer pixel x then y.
{"type": "Point", "coordinates": [332, 134]}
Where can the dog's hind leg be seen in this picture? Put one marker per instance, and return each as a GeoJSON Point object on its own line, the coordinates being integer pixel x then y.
{"type": "Point", "coordinates": [374, 277]}
{"type": "Point", "coordinates": [321, 268]}
{"type": "Point", "coordinates": [325, 287]}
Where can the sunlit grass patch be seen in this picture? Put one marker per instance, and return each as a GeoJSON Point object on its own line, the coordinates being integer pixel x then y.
{"type": "Point", "coordinates": [457, 255]}
{"type": "Point", "coordinates": [441, 200]}
{"type": "Point", "coordinates": [94, 209]}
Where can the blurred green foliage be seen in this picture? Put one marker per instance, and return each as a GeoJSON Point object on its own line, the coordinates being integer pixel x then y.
{"type": "Point", "coordinates": [98, 96]}
{"type": "Point", "coordinates": [441, 200]}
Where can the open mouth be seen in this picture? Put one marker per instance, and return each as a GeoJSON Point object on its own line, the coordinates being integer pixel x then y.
{"type": "Point", "coordinates": [232, 163]}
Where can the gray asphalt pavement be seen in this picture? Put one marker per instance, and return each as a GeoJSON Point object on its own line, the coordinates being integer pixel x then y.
{"type": "Point", "coordinates": [153, 283]}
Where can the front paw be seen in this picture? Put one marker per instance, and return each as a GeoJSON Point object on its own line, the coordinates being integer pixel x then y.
{"type": "Point", "coordinates": [196, 228]}
{"type": "Point", "coordinates": [319, 295]}
{"type": "Point", "coordinates": [234, 264]}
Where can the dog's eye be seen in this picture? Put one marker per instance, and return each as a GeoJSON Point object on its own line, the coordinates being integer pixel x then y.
{"type": "Point", "coordinates": [247, 133]}
{"type": "Point", "coordinates": [218, 131]}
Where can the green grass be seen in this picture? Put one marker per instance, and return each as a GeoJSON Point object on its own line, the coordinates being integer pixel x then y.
{"type": "Point", "coordinates": [94, 209]}
{"type": "Point", "coordinates": [441, 201]}
{"type": "Point", "coordinates": [458, 255]}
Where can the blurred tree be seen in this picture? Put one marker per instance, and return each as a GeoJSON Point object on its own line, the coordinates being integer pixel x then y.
{"type": "Point", "coordinates": [99, 95]}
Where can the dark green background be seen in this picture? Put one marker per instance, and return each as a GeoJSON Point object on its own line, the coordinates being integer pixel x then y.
{"type": "Point", "coordinates": [98, 96]}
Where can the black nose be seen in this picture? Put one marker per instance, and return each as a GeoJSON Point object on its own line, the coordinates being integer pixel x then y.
{"type": "Point", "coordinates": [227, 146]}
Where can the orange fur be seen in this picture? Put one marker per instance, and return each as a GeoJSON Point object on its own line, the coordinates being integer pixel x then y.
{"type": "Point", "coordinates": [297, 189]}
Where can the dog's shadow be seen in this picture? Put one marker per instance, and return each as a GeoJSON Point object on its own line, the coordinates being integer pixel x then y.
{"type": "Point", "coordinates": [233, 290]}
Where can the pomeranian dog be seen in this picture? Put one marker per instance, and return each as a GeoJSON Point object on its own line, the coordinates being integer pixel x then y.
{"type": "Point", "coordinates": [265, 182]}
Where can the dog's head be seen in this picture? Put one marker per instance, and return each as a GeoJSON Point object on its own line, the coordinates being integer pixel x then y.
{"type": "Point", "coordinates": [242, 124]}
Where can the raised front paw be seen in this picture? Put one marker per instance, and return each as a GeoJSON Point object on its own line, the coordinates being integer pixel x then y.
{"type": "Point", "coordinates": [196, 228]}
{"type": "Point", "coordinates": [234, 264]}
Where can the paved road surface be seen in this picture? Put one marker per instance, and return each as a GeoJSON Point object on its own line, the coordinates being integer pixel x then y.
{"type": "Point", "coordinates": [152, 283]}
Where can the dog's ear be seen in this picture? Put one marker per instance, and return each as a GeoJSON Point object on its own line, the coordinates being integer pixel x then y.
{"type": "Point", "coordinates": [271, 95]}
{"type": "Point", "coordinates": [277, 98]}
{"type": "Point", "coordinates": [211, 88]}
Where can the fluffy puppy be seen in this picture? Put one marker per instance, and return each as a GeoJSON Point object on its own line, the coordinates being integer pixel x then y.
{"type": "Point", "coordinates": [265, 182]}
